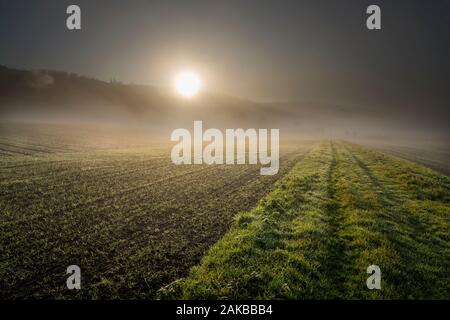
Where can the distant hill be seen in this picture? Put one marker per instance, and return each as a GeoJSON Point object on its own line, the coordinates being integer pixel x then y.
{"type": "Point", "coordinates": [54, 96]}
{"type": "Point", "coordinates": [61, 97]}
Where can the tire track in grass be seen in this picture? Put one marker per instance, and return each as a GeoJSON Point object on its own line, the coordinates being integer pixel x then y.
{"type": "Point", "coordinates": [421, 269]}
{"type": "Point", "coordinates": [349, 212]}
{"type": "Point", "coordinates": [336, 263]}
{"type": "Point", "coordinates": [404, 225]}
{"type": "Point", "coordinates": [366, 239]}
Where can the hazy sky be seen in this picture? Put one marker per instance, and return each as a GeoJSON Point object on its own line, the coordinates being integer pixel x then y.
{"type": "Point", "coordinates": [263, 50]}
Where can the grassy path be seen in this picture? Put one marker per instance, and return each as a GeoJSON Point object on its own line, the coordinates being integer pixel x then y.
{"type": "Point", "coordinates": [341, 209]}
{"type": "Point", "coordinates": [416, 204]}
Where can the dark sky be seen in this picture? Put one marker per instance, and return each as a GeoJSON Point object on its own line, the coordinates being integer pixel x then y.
{"type": "Point", "coordinates": [263, 50]}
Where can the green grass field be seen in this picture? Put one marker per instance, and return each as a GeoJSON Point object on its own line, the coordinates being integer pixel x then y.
{"type": "Point", "coordinates": [140, 227]}
{"type": "Point", "coordinates": [129, 218]}
{"type": "Point", "coordinates": [341, 209]}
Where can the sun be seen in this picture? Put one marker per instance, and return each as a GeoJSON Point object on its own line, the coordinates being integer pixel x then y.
{"type": "Point", "coordinates": [187, 83]}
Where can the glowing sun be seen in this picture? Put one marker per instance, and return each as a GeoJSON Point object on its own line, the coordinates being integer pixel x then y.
{"type": "Point", "coordinates": [187, 83]}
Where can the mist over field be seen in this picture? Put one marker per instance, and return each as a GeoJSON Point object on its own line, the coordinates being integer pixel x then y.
{"type": "Point", "coordinates": [66, 98]}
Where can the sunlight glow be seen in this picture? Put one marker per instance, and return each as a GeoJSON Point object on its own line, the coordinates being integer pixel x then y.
{"type": "Point", "coordinates": [187, 83]}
